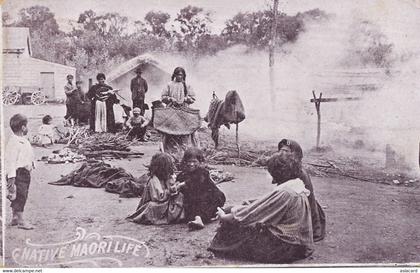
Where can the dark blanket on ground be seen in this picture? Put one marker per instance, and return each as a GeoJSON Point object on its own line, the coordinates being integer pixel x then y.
{"type": "Point", "coordinates": [103, 175]}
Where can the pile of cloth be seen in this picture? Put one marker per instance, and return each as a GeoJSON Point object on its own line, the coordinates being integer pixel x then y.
{"type": "Point", "coordinates": [63, 156]}
{"type": "Point", "coordinates": [97, 174]}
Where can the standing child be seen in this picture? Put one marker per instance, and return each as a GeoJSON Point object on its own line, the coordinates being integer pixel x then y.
{"type": "Point", "coordinates": [138, 125]}
{"type": "Point", "coordinates": [19, 163]}
{"type": "Point", "coordinates": [201, 195]}
{"type": "Point", "coordinates": [160, 203]}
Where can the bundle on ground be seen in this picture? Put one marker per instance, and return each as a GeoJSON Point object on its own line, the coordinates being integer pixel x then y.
{"type": "Point", "coordinates": [102, 175]}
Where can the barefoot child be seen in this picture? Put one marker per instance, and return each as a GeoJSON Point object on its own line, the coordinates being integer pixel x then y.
{"type": "Point", "coordinates": [201, 195]}
{"type": "Point", "coordinates": [19, 163]}
{"type": "Point", "coordinates": [138, 125]}
{"type": "Point", "coordinates": [160, 202]}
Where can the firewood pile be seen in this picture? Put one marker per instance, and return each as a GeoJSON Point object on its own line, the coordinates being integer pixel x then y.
{"type": "Point", "coordinates": [101, 146]}
{"type": "Point", "coordinates": [229, 156]}
{"type": "Point", "coordinates": [104, 141]}
{"type": "Point", "coordinates": [317, 164]}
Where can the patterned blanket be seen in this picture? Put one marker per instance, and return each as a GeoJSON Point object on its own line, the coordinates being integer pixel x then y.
{"type": "Point", "coordinates": [176, 120]}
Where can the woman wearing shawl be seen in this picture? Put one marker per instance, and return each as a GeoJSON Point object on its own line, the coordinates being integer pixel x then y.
{"type": "Point", "coordinates": [291, 150]}
{"type": "Point", "coordinates": [275, 228]}
{"type": "Point", "coordinates": [102, 101]}
{"type": "Point", "coordinates": [177, 93]}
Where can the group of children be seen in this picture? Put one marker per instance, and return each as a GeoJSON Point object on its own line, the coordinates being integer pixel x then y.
{"type": "Point", "coordinates": [280, 226]}
{"type": "Point", "coordinates": [20, 159]}
{"type": "Point", "coordinates": [190, 197]}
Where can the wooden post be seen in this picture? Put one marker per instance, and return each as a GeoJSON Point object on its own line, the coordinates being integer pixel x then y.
{"type": "Point", "coordinates": [272, 45]}
{"type": "Point", "coordinates": [90, 83]}
{"type": "Point", "coordinates": [237, 139]}
{"type": "Point", "coordinates": [317, 102]}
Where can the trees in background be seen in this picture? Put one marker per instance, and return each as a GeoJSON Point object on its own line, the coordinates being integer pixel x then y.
{"type": "Point", "coordinates": [98, 41]}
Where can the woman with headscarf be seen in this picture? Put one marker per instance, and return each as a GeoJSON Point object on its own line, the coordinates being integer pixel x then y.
{"type": "Point", "coordinates": [275, 228]}
{"type": "Point", "coordinates": [102, 106]}
{"type": "Point", "coordinates": [291, 150]}
{"type": "Point", "coordinates": [177, 93]}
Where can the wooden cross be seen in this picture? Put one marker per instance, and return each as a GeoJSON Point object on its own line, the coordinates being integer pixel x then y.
{"type": "Point", "coordinates": [317, 102]}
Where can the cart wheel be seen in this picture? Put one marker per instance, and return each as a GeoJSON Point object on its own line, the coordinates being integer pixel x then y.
{"type": "Point", "coordinates": [10, 95]}
{"type": "Point", "coordinates": [37, 98]}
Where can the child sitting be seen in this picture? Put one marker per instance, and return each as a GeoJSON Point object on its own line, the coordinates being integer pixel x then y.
{"type": "Point", "coordinates": [19, 161]}
{"type": "Point", "coordinates": [137, 125]}
{"type": "Point", "coordinates": [160, 202]}
{"type": "Point", "coordinates": [47, 132]}
{"type": "Point", "coordinates": [201, 195]}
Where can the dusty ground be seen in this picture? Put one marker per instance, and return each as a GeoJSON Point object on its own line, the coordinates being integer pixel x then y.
{"type": "Point", "coordinates": [366, 222]}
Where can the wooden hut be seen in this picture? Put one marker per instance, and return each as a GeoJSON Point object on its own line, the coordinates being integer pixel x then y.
{"type": "Point", "coordinates": [154, 73]}
{"type": "Point", "coordinates": [24, 73]}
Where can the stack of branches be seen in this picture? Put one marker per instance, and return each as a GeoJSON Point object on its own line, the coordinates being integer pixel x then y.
{"type": "Point", "coordinates": [105, 141]}
{"type": "Point", "coordinates": [97, 174]}
{"type": "Point", "coordinates": [355, 168]}
{"type": "Point", "coordinates": [105, 145]}
{"type": "Point", "coordinates": [73, 135]}
{"type": "Point", "coordinates": [229, 156]}
{"type": "Point", "coordinates": [317, 164]}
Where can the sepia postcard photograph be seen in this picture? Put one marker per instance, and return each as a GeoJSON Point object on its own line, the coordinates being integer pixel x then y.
{"type": "Point", "coordinates": [235, 133]}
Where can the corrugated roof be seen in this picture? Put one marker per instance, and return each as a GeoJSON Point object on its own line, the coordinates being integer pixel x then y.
{"type": "Point", "coordinates": [16, 38]}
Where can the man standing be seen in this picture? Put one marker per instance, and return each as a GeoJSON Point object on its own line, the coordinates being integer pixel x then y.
{"type": "Point", "coordinates": [68, 90]}
{"type": "Point", "coordinates": [138, 88]}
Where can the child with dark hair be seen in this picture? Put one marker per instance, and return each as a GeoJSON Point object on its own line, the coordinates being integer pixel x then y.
{"type": "Point", "coordinates": [160, 203]}
{"type": "Point", "coordinates": [46, 132]}
{"type": "Point", "coordinates": [19, 161]}
{"type": "Point", "coordinates": [201, 195]}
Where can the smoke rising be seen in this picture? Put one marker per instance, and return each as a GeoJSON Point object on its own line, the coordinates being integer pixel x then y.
{"type": "Point", "coordinates": [368, 52]}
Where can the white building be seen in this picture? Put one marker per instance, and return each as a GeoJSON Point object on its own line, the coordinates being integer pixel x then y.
{"type": "Point", "coordinates": [28, 74]}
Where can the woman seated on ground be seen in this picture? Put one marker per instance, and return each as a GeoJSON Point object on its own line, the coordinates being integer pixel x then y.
{"type": "Point", "coordinates": [201, 195]}
{"type": "Point", "coordinates": [160, 202]}
{"type": "Point", "coordinates": [275, 228]}
{"type": "Point", "coordinates": [291, 150]}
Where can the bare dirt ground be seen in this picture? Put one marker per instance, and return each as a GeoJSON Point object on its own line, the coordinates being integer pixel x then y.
{"type": "Point", "coordinates": [366, 222]}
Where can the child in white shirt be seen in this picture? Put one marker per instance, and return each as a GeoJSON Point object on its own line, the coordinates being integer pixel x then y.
{"type": "Point", "coordinates": [19, 160]}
